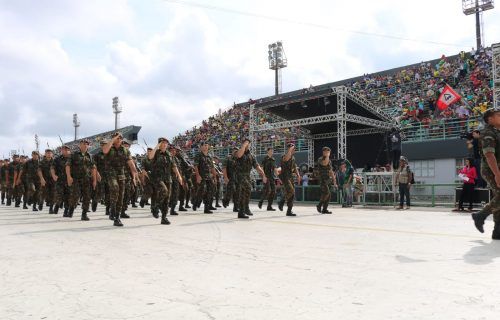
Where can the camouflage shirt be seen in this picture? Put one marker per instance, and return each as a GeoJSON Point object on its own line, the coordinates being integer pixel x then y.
{"type": "Point", "coordinates": [230, 165]}
{"type": "Point", "coordinates": [59, 166]}
{"type": "Point", "coordinates": [30, 169]}
{"type": "Point", "coordinates": [147, 165]}
{"type": "Point", "coordinates": [287, 168]}
{"type": "Point", "coordinates": [163, 165]}
{"type": "Point", "coordinates": [45, 166]}
{"type": "Point", "coordinates": [115, 162]}
{"type": "Point", "coordinates": [100, 163]}
{"type": "Point", "coordinates": [205, 165]}
{"type": "Point", "coordinates": [245, 164]}
{"type": "Point", "coordinates": [268, 165]}
{"type": "Point", "coordinates": [322, 171]}
{"type": "Point", "coordinates": [490, 142]}
{"type": "Point", "coordinates": [81, 165]}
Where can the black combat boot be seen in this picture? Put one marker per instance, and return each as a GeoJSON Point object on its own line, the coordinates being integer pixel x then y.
{"type": "Point", "coordinates": [65, 214]}
{"type": "Point", "coordinates": [247, 211]}
{"type": "Point", "coordinates": [225, 203]}
{"type": "Point", "coordinates": [94, 205]}
{"type": "Point", "coordinates": [235, 208]}
{"type": "Point", "coordinates": [124, 215]}
{"type": "Point", "coordinates": [181, 206]}
{"type": "Point", "coordinates": [134, 205]}
{"type": "Point", "coordinates": [289, 212]}
{"type": "Point", "coordinates": [51, 209]}
{"type": "Point", "coordinates": [70, 212]}
{"type": "Point", "coordinates": [155, 211]}
{"type": "Point", "coordinates": [116, 217]}
{"type": "Point", "coordinates": [142, 203]}
{"type": "Point", "coordinates": [325, 209]}
{"type": "Point", "coordinates": [270, 207]}
{"type": "Point", "coordinates": [84, 216]}
{"type": "Point", "coordinates": [25, 205]}
{"type": "Point", "coordinates": [217, 205]}
{"type": "Point", "coordinates": [318, 207]}
{"type": "Point", "coordinates": [207, 210]}
{"type": "Point", "coordinates": [496, 232]}
{"type": "Point", "coordinates": [18, 203]}
{"type": "Point", "coordinates": [107, 210]}
{"type": "Point", "coordinates": [3, 198]}
{"type": "Point", "coordinates": [479, 218]}
{"type": "Point", "coordinates": [9, 202]}
{"type": "Point", "coordinates": [34, 207]}
{"type": "Point", "coordinates": [281, 204]}
{"type": "Point", "coordinates": [173, 212]}
{"type": "Point", "coordinates": [211, 205]}
{"type": "Point", "coordinates": [260, 204]}
{"type": "Point", "coordinates": [164, 219]}
{"type": "Point", "coordinates": [242, 215]}
{"type": "Point", "coordinates": [40, 206]}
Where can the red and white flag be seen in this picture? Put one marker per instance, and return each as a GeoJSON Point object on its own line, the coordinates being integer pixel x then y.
{"type": "Point", "coordinates": [447, 98]}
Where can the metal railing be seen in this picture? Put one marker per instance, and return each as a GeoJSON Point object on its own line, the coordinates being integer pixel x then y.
{"type": "Point", "coordinates": [439, 130]}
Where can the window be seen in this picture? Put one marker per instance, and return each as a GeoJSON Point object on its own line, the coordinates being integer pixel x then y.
{"type": "Point", "coordinates": [459, 164]}
{"type": "Point", "coordinates": [423, 168]}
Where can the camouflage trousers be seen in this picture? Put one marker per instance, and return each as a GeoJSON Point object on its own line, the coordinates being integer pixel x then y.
{"type": "Point", "coordinates": [325, 189]}
{"type": "Point", "coordinates": [244, 191]}
{"type": "Point", "coordinates": [32, 191]}
{"type": "Point", "coordinates": [288, 192]}
{"type": "Point", "coordinates": [174, 194]}
{"type": "Point", "coordinates": [62, 194]}
{"type": "Point", "coordinates": [48, 193]}
{"type": "Point", "coordinates": [128, 193]}
{"type": "Point", "coordinates": [81, 187]}
{"type": "Point", "coordinates": [232, 192]}
{"type": "Point", "coordinates": [116, 189]}
{"type": "Point", "coordinates": [149, 192]}
{"type": "Point", "coordinates": [99, 193]}
{"type": "Point", "coordinates": [185, 193]}
{"type": "Point", "coordinates": [269, 191]}
{"type": "Point", "coordinates": [204, 192]}
{"type": "Point", "coordinates": [163, 190]}
{"type": "Point", "coordinates": [493, 206]}
{"type": "Point", "coordinates": [217, 190]}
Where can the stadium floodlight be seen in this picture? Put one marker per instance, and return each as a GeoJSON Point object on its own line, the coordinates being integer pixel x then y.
{"type": "Point", "coordinates": [117, 109]}
{"type": "Point", "coordinates": [477, 7]}
{"type": "Point", "coordinates": [76, 124]}
{"type": "Point", "coordinates": [277, 61]}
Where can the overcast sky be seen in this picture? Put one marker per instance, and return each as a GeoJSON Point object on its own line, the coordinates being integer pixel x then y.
{"type": "Point", "coordinates": [173, 65]}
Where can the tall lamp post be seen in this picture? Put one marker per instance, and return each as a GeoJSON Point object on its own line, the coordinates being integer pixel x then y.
{"type": "Point", "coordinates": [76, 124]}
{"type": "Point", "coordinates": [277, 61]}
{"type": "Point", "coordinates": [477, 7]}
{"type": "Point", "coordinates": [117, 109]}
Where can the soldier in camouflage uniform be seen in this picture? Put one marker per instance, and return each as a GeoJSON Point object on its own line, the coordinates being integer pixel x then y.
{"type": "Point", "coordinates": [186, 169]}
{"type": "Point", "coordinates": [163, 168]}
{"type": "Point", "coordinates": [288, 168]}
{"type": "Point", "coordinates": [62, 192]}
{"type": "Point", "coordinates": [325, 175]}
{"type": "Point", "coordinates": [99, 193]}
{"type": "Point", "coordinates": [3, 176]}
{"type": "Point", "coordinates": [245, 161]}
{"type": "Point", "coordinates": [149, 191]}
{"type": "Point", "coordinates": [19, 183]}
{"type": "Point", "coordinates": [9, 180]}
{"type": "Point", "coordinates": [34, 180]}
{"type": "Point", "coordinates": [230, 180]}
{"type": "Point", "coordinates": [129, 185]}
{"type": "Point", "coordinates": [217, 189]}
{"type": "Point", "coordinates": [82, 178]}
{"type": "Point", "coordinates": [205, 178]}
{"type": "Point", "coordinates": [48, 191]}
{"type": "Point", "coordinates": [269, 190]}
{"type": "Point", "coordinates": [117, 161]}
{"type": "Point", "coordinates": [174, 195]}
{"type": "Point", "coordinates": [490, 146]}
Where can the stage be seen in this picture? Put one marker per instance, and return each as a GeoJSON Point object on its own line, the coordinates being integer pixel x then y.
{"type": "Point", "coordinates": [355, 264]}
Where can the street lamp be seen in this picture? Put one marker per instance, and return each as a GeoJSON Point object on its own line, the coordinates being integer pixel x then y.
{"type": "Point", "coordinates": [76, 124]}
{"type": "Point", "coordinates": [277, 61]}
{"type": "Point", "coordinates": [477, 7]}
{"type": "Point", "coordinates": [117, 109]}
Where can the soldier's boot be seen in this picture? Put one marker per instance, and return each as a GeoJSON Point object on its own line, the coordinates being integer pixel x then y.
{"type": "Point", "coordinates": [142, 203]}
{"type": "Point", "coordinates": [134, 205]}
{"type": "Point", "coordinates": [172, 211]}
{"type": "Point", "coordinates": [94, 205]}
{"type": "Point", "coordinates": [260, 204]}
{"type": "Point", "coordinates": [281, 204]}
{"type": "Point", "coordinates": [17, 203]}
{"type": "Point", "coordinates": [289, 212]}
{"type": "Point", "coordinates": [124, 215]}
{"type": "Point", "coordinates": [3, 197]}
{"type": "Point", "coordinates": [25, 205]}
{"type": "Point", "coordinates": [235, 208]}
{"type": "Point", "coordinates": [116, 217]}
{"type": "Point", "coordinates": [325, 209]}
{"type": "Point", "coordinates": [65, 214]}
{"type": "Point", "coordinates": [496, 232]}
{"type": "Point", "coordinates": [479, 218]}
{"type": "Point", "coordinates": [207, 209]}
{"type": "Point", "coordinates": [34, 207]}
{"type": "Point", "coordinates": [181, 206]}
{"type": "Point", "coordinates": [270, 206]}
{"type": "Point", "coordinates": [155, 212]}
{"type": "Point", "coordinates": [242, 215]}
{"type": "Point", "coordinates": [107, 210]}
{"type": "Point", "coordinates": [51, 209]}
{"type": "Point", "coordinates": [164, 219]}
{"type": "Point", "coordinates": [318, 207]}
{"type": "Point", "coordinates": [211, 205]}
{"type": "Point", "coordinates": [247, 211]}
{"type": "Point", "coordinates": [40, 206]}
{"type": "Point", "coordinates": [225, 203]}
{"type": "Point", "coordinates": [9, 202]}
{"type": "Point", "coordinates": [84, 216]}
{"type": "Point", "coordinates": [71, 210]}
{"type": "Point", "coordinates": [217, 205]}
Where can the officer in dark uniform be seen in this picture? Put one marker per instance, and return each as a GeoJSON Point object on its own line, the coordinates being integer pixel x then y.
{"type": "Point", "coordinates": [63, 191]}
{"type": "Point", "coordinates": [324, 172]}
{"type": "Point", "coordinates": [230, 180]}
{"type": "Point", "coordinates": [288, 169]}
{"type": "Point", "coordinates": [269, 190]}
{"type": "Point", "coordinates": [82, 178]}
{"type": "Point", "coordinates": [48, 191]}
{"type": "Point", "coordinates": [490, 146]}
{"type": "Point", "coordinates": [205, 176]}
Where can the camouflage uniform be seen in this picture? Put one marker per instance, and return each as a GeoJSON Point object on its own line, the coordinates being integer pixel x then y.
{"type": "Point", "coordinates": [174, 195]}
{"type": "Point", "coordinates": [48, 191]}
{"type": "Point", "coordinates": [32, 181]}
{"type": "Point", "coordinates": [231, 188]}
{"type": "Point", "coordinates": [163, 166]}
{"type": "Point", "coordinates": [9, 180]}
{"type": "Point", "coordinates": [81, 165]}
{"type": "Point", "coordinates": [323, 174]}
{"type": "Point", "coordinates": [19, 188]}
{"type": "Point", "coordinates": [269, 190]}
{"type": "Point", "coordinates": [205, 189]}
{"type": "Point", "coordinates": [287, 171]}
{"type": "Point", "coordinates": [62, 191]}
{"type": "Point", "coordinates": [129, 190]}
{"type": "Point", "coordinates": [244, 166]}
{"type": "Point", "coordinates": [490, 142]}
{"type": "Point", "coordinates": [186, 171]}
{"type": "Point", "coordinates": [115, 167]}
{"type": "Point", "coordinates": [217, 186]}
{"type": "Point", "coordinates": [3, 181]}
{"type": "Point", "coordinates": [149, 191]}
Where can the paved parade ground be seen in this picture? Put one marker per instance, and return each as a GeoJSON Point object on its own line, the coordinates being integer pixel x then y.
{"type": "Point", "coordinates": [355, 264]}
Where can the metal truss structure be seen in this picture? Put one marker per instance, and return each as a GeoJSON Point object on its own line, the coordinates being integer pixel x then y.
{"type": "Point", "coordinates": [341, 117]}
{"type": "Point", "coordinates": [496, 75]}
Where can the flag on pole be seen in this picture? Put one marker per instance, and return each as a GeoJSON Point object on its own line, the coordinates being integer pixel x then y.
{"type": "Point", "coordinates": [447, 98]}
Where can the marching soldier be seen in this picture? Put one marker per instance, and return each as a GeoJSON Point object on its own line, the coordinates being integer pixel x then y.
{"type": "Point", "coordinates": [324, 172]}
{"type": "Point", "coordinates": [163, 168]}
{"type": "Point", "coordinates": [205, 176]}
{"type": "Point", "coordinates": [149, 191]}
{"type": "Point", "coordinates": [99, 193]}
{"type": "Point", "coordinates": [288, 168]}
{"type": "Point", "coordinates": [9, 181]}
{"type": "Point", "coordinates": [129, 185]}
{"type": "Point", "coordinates": [33, 179]}
{"type": "Point", "coordinates": [63, 191]}
{"type": "Point", "coordinates": [82, 178]}
{"type": "Point", "coordinates": [217, 191]}
{"type": "Point", "coordinates": [19, 183]}
{"type": "Point", "coordinates": [230, 180]}
{"type": "Point", "coordinates": [117, 159]}
{"type": "Point", "coordinates": [245, 161]}
{"type": "Point", "coordinates": [490, 143]}
{"type": "Point", "coordinates": [3, 177]}
{"type": "Point", "coordinates": [48, 191]}
{"type": "Point", "coordinates": [174, 196]}
{"type": "Point", "coordinates": [186, 169]}
{"type": "Point", "coordinates": [269, 190]}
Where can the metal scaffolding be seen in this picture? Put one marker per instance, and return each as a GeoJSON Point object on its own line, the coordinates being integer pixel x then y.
{"type": "Point", "coordinates": [496, 75]}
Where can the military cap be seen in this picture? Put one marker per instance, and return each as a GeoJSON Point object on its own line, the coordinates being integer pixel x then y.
{"type": "Point", "coordinates": [86, 141]}
{"type": "Point", "coordinates": [403, 158]}
{"type": "Point", "coordinates": [65, 147]}
{"type": "Point", "coordinates": [49, 150]}
{"type": "Point", "coordinates": [326, 149]}
{"type": "Point", "coordinates": [125, 142]}
{"type": "Point", "coordinates": [117, 134]}
{"type": "Point", "coordinates": [7, 160]}
{"type": "Point", "coordinates": [15, 156]}
{"type": "Point", "coordinates": [35, 152]}
{"type": "Point", "coordinates": [150, 149]}
{"type": "Point", "coordinates": [163, 139]}
{"type": "Point", "coordinates": [488, 113]}
{"type": "Point", "coordinates": [103, 142]}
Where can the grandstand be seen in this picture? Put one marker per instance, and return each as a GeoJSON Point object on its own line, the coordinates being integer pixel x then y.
{"type": "Point", "coordinates": [130, 133]}
{"type": "Point", "coordinates": [408, 94]}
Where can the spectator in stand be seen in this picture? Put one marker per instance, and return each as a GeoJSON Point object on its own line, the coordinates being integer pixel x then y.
{"type": "Point", "coordinates": [469, 175]}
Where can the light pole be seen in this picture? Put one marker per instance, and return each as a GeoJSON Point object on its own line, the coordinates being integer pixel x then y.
{"type": "Point", "coordinates": [117, 109]}
{"type": "Point", "coordinates": [277, 61]}
{"type": "Point", "coordinates": [477, 7]}
{"type": "Point", "coordinates": [76, 124]}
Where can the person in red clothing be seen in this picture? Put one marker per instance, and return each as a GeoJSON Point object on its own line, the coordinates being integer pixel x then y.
{"type": "Point", "coordinates": [469, 176]}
